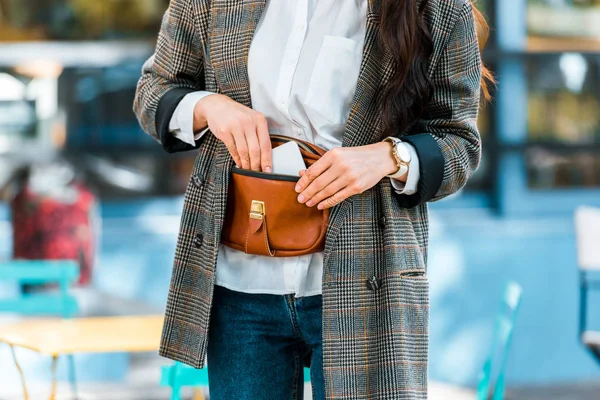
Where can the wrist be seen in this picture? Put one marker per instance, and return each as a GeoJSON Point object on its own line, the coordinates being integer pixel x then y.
{"type": "Point", "coordinates": [388, 163]}
{"type": "Point", "coordinates": [200, 113]}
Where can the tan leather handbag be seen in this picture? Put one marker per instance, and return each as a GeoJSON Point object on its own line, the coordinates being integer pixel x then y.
{"type": "Point", "coordinates": [263, 214]}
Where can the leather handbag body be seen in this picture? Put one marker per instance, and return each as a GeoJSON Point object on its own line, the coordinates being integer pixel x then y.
{"type": "Point", "coordinates": [263, 215]}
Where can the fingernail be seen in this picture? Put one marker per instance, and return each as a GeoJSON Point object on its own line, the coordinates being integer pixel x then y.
{"type": "Point", "coordinates": [320, 207]}
{"type": "Point", "coordinates": [268, 169]}
{"type": "Point", "coordinates": [301, 198]}
{"type": "Point", "coordinates": [298, 188]}
{"type": "Point", "coordinates": [310, 203]}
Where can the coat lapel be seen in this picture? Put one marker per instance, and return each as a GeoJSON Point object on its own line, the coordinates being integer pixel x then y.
{"type": "Point", "coordinates": [364, 126]}
{"type": "Point", "coordinates": [233, 25]}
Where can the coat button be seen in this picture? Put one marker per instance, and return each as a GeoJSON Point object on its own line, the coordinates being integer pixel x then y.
{"type": "Point", "coordinates": [373, 283]}
{"type": "Point", "coordinates": [198, 180]}
{"type": "Point", "coordinates": [382, 222]}
{"type": "Point", "coordinates": [198, 240]}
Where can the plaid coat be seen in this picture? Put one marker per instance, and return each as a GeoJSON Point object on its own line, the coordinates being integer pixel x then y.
{"type": "Point", "coordinates": [375, 289]}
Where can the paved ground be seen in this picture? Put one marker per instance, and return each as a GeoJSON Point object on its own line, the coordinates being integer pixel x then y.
{"type": "Point", "coordinates": [143, 373]}
{"type": "Point", "coordinates": [101, 391]}
{"type": "Point", "coordinates": [141, 383]}
{"type": "Point", "coordinates": [581, 391]}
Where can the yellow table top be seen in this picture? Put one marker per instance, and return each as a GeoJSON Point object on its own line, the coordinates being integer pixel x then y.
{"type": "Point", "coordinates": [54, 336]}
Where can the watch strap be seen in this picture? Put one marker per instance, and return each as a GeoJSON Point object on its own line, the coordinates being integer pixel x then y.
{"type": "Point", "coordinates": [400, 173]}
{"type": "Point", "coordinates": [402, 167]}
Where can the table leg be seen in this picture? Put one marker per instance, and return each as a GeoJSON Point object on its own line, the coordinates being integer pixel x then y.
{"type": "Point", "coordinates": [53, 393]}
{"type": "Point", "coordinates": [14, 355]}
{"type": "Point", "coordinates": [198, 395]}
{"type": "Point", "coordinates": [72, 377]}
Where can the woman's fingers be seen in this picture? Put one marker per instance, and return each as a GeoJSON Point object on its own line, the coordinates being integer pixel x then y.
{"type": "Point", "coordinates": [241, 146]}
{"type": "Point", "coordinates": [336, 198]}
{"type": "Point", "coordinates": [244, 131]}
{"type": "Point", "coordinates": [264, 140]}
{"type": "Point", "coordinates": [313, 172]}
{"type": "Point", "coordinates": [253, 147]}
{"type": "Point", "coordinates": [317, 185]}
{"type": "Point", "coordinates": [229, 142]}
{"type": "Point", "coordinates": [332, 179]}
{"type": "Point", "coordinates": [329, 190]}
{"type": "Point", "coordinates": [259, 142]}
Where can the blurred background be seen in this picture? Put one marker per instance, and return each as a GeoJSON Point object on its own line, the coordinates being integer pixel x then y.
{"type": "Point", "coordinates": [71, 151]}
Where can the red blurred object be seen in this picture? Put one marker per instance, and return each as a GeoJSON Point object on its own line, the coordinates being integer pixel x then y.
{"type": "Point", "coordinates": [51, 227]}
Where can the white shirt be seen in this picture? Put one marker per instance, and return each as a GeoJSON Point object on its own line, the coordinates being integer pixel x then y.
{"type": "Point", "coordinates": [303, 66]}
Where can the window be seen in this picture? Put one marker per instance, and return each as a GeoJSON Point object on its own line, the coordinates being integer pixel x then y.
{"type": "Point", "coordinates": [578, 18]}
{"type": "Point", "coordinates": [564, 99]}
{"type": "Point", "coordinates": [562, 169]}
{"type": "Point", "coordinates": [24, 20]}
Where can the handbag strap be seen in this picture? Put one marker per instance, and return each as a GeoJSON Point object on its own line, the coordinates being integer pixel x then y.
{"type": "Point", "coordinates": [307, 147]}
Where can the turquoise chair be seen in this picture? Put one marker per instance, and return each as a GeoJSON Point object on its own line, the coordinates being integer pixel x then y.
{"type": "Point", "coordinates": [179, 375]}
{"type": "Point", "coordinates": [496, 362]}
{"type": "Point", "coordinates": [59, 303]}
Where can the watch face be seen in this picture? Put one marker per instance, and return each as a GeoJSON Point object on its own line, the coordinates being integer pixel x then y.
{"type": "Point", "coordinates": [403, 153]}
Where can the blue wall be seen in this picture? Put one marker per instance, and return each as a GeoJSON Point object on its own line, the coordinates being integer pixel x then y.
{"type": "Point", "coordinates": [472, 255]}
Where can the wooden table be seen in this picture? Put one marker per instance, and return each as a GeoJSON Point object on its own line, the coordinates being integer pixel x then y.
{"type": "Point", "coordinates": [54, 336]}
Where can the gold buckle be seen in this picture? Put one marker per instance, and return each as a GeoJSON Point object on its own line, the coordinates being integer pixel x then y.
{"type": "Point", "coordinates": [257, 210]}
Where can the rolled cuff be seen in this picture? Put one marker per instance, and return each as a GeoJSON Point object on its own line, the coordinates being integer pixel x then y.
{"type": "Point", "coordinates": [164, 113]}
{"type": "Point", "coordinates": [182, 122]}
{"type": "Point", "coordinates": [431, 169]}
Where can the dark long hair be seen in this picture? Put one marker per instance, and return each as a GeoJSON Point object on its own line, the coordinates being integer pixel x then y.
{"type": "Point", "coordinates": [405, 34]}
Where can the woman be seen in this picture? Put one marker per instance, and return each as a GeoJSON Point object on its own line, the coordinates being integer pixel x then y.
{"type": "Point", "coordinates": [345, 75]}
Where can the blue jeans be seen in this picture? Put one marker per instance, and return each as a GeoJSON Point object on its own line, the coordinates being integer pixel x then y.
{"type": "Point", "coordinates": [258, 344]}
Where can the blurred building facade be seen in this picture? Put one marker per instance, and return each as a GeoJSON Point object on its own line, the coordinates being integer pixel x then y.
{"type": "Point", "coordinates": [68, 70]}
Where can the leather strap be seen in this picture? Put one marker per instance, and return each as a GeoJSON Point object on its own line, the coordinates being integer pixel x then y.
{"type": "Point", "coordinates": [257, 238]}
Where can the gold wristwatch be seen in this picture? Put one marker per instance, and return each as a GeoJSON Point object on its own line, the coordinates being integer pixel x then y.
{"type": "Point", "coordinates": [401, 154]}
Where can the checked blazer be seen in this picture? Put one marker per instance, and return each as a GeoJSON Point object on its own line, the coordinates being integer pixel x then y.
{"type": "Point", "coordinates": [375, 287]}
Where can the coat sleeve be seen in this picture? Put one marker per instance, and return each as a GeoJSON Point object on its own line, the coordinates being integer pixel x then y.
{"type": "Point", "coordinates": [447, 140]}
{"type": "Point", "coordinates": [175, 69]}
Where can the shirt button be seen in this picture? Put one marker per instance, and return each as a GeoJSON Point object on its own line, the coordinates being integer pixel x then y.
{"type": "Point", "coordinates": [291, 61]}
{"type": "Point", "coordinates": [300, 27]}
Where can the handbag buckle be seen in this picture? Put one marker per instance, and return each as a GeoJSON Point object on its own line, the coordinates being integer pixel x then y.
{"type": "Point", "coordinates": [257, 210]}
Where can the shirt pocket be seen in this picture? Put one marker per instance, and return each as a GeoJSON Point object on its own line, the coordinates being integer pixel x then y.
{"type": "Point", "coordinates": [333, 81]}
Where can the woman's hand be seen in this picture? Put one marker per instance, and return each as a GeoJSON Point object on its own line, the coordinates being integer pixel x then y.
{"type": "Point", "coordinates": [344, 172]}
{"type": "Point", "coordinates": [243, 130]}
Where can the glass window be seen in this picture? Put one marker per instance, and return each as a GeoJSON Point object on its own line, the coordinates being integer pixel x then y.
{"type": "Point", "coordinates": [129, 175]}
{"type": "Point", "coordinates": [79, 19]}
{"type": "Point", "coordinates": [577, 18]}
{"type": "Point", "coordinates": [105, 141]}
{"type": "Point", "coordinates": [551, 169]}
{"type": "Point", "coordinates": [17, 108]}
{"type": "Point", "coordinates": [26, 110]}
{"type": "Point", "coordinates": [560, 25]}
{"type": "Point", "coordinates": [564, 99]}
{"type": "Point", "coordinates": [98, 104]}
